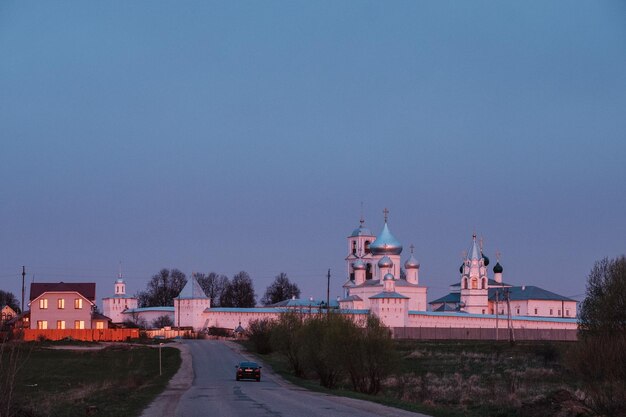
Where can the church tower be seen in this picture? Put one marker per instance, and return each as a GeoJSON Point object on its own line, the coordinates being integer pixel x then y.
{"type": "Point", "coordinates": [474, 281]}
{"type": "Point", "coordinates": [114, 306]}
{"type": "Point", "coordinates": [359, 250]}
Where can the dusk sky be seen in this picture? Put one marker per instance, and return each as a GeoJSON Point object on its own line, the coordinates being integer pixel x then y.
{"type": "Point", "coordinates": [228, 136]}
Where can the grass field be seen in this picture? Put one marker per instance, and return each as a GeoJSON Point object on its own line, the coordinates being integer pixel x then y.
{"type": "Point", "coordinates": [471, 378]}
{"type": "Point", "coordinates": [119, 380]}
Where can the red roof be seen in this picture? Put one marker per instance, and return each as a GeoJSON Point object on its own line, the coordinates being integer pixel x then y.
{"type": "Point", "coordinates": [86, 289]}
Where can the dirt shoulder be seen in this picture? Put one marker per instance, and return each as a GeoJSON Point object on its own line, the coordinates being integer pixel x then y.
{"type": "Point", "coordinates": [165, 404]}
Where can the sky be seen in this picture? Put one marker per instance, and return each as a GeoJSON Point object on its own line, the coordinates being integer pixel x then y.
{"type": "Point", "coordinates": [228, 136]}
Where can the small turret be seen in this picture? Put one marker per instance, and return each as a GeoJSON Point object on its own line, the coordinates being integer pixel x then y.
{"type": "Point", "coordinates": [359, 268]}
{"type": "Point", "coordinates": [390, 285]}
{"type": "Point", "coordinates": [497, 269]}
{"type": "Point", "coordinates": [412, 267]}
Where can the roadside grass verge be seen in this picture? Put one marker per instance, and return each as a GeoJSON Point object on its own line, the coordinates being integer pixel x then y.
{"type": "Point", "coordinates": [280, 366]}
{"type": "Point", "coordinates": [466, 378]}
{"type": "Point", "coordinates": [119, 380]}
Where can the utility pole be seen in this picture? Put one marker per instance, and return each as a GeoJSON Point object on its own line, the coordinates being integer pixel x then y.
{"type": "Point", "coordinates": [23, 277]}
{"type": "Point", "coordinates": [328, 290]}
{"type": "Point", "coordinates": [508, 307]}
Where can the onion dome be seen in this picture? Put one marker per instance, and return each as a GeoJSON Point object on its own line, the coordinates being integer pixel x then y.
{"type": "Point", "coordinates": [485, 259]}
{"type": "Point", "coordinates": [411, 263]}
{"type": "Point", "coordinates": [386, 244]}
{"type": "Point", "coordinates": [385, 262]}
{"type": "Point", "coordinates": [388, 277]}
{"type": "Point", "coordinates": [361, 230]}
{"type": "Point", "coordinates": [497, 269]}
{"type": "Point", "coordinates": [119, 281]}
{"type": "Point", "coordinates": [358, 265]}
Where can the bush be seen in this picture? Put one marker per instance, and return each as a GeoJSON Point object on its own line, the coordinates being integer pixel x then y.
{"type": "Point", "coordinates": [259, 333]}
{"type": "Point", "coordinates": [286, 339]}
{"type": "Point", "coordinates": [325, 346]}
{"type": "Point", "coordinates": [599, 358]}
{"type": "Point", "coordinates": [600, 362]}
{"type": "Point", "coordinates": [162, 321]}
{"type": "Point", "coordinates": [220, 331]}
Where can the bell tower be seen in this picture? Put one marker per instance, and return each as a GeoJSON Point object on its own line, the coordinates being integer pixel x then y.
{"type": "Point", "coordinates": [474, 281]}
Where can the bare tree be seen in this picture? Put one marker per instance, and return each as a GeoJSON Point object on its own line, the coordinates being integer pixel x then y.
{"type": "Point", "coordinates": [604, 308]}
{"type": "Point", "coordinates": [7, 298]}
{"type": "Point", "coordinates": [281, 289]}
{"type": "Point", "coordinates": [213, 286]}
{"type": "Point", "coordinates": [239, 292]}
{"type": "Point", "coordinates": [162, 288]}
{"type": "Point", "coordinates": [162, 321]}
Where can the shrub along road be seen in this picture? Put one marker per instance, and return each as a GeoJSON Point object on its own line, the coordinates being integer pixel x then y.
{"type": "Point", "coordinates": [215, 392]}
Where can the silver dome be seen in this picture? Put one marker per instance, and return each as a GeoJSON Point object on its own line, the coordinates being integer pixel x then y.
{"type": "Point", "coordinates": [386, 244]}
{"type": "Point", "coordinates": [411, 263]}
{"type": "Point", "coordinates": [388, 277]}
{"type": "Point", "coordinates": [385, 262]}
{"type": "Point", "coordinates": [358, 265]}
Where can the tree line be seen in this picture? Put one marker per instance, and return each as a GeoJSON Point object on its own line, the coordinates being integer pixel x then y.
{"type": "Point", "coordinates": [223, 291]}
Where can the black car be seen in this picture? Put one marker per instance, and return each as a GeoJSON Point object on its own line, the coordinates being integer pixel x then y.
{"type": "Point", "coordinates": [248, 370]}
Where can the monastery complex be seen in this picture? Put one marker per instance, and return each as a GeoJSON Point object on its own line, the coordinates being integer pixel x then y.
{"type": "Point", "coordinates": [377, 284]}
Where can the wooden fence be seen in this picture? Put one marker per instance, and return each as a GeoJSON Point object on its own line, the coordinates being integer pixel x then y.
{"type": "Point", "coordinates": [170, 334]}
{"type": "Point", "coordinates": [452, 333]}
{"type": "Point", "coordinates": [88, 335]}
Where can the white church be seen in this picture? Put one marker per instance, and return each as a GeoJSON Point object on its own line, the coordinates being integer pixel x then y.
{"type": "Point", "coordinates": [377, 284]}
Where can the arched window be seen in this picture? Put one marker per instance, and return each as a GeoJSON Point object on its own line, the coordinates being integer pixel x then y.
{"type": "Point", "coordinates": [464, 283]}
{"type": "Point", "coordinates": [368, 271]}
{"type": "Point", "coordinates": [354, 247]}
{"type": "Point", "coordinates": [367, 246]}
{"type": "Point", "coordinates": [474, 284]}
{"type": "Point", "coordinates": [484, 283]}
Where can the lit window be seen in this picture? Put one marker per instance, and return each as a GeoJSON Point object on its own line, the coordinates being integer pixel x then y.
{"type": "Point", "coordinates": [61, 303]}
{"type": "Point", "coordinates": [61, 324]}
{"type": "Point", "coordinates": [79, 324]}
{"type": "Point", "coordinates": [78, 303]}
{"type": "Point", "coordinates": [42, 324]}
{"type": "Point", "coordinates": [43, 303]}
{"type": "Point", "coordinates": [99, 325]}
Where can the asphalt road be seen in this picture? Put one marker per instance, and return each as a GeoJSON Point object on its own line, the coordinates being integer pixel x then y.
{"type": "Point", "coordinates": [215, 392]}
